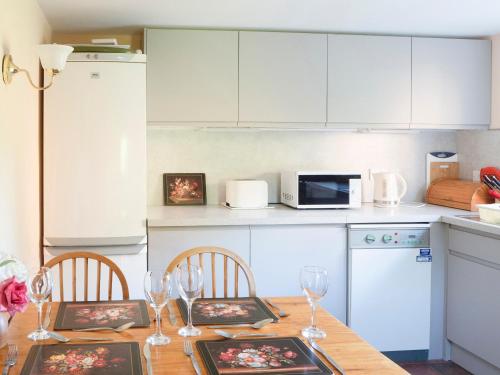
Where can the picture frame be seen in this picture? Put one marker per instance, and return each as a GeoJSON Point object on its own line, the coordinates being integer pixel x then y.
{"type": "Point", "coordinates": [184, 189]}
{"type": "Point", "coordinates": [81, 315]}
{"type": "Point", "coordinates": [121, 358]}
{"type": "Point", "coordinates": [276, 355]}
{"type": "Point", "coordinates": [206, 311]}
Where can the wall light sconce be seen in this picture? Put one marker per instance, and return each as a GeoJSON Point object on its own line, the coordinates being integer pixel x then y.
{"type": "Point", "coordinates": [52, 57]}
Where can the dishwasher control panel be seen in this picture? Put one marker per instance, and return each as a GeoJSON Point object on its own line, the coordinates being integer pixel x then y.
{"type": "Point", "coordinates": [383, 237]}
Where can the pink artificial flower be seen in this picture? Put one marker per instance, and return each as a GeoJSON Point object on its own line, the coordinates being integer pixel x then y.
{"type": "Point", "coordinates": [13, 296]}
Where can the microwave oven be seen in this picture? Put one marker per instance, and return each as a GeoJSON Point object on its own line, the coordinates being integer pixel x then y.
{"type": "Point", "coordinates": [323, 189]}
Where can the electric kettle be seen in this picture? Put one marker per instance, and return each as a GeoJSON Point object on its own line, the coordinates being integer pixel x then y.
{"type": "Point", "coordinates": [389, 188]}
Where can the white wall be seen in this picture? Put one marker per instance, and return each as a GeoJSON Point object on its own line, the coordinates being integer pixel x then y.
{"type": "Point", "coordinates": [22, 27]}
{"type": "Point", "coordinates": [478, 149]}
{"type": "Point", "coordinates": [224, 155]}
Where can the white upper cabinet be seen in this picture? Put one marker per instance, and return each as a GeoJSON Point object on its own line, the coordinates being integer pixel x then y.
{"type": "Point", "coordinates": [495, 82]}
{"type": "Point", "coordinates": [283, 78]}
{"type": "Point", "coordinates": [369, 81]}
{"type": "Point", "coordinates": [451, 82]}
{"type": "Point", "coordinates": [192, 76]}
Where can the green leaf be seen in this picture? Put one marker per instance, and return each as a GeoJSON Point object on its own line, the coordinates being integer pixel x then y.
{"type": "Point", "coordinates": [7, 261]}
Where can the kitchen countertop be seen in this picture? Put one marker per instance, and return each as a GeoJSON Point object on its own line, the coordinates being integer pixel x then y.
{"type": "Point", "coordinates": [472, 222]}
{"type": "Point", "coordinates": [215, 215]}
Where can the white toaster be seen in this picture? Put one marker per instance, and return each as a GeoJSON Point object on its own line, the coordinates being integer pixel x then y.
{"type": "Point", "coordinates": [246, 194]}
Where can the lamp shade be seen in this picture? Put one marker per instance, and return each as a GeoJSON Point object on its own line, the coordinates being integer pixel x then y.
{"type": "Point", "coordinates": [54, 56]}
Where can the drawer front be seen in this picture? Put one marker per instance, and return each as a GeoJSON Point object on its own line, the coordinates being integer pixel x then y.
{"type": "Point", "coordinates": [474, 245]}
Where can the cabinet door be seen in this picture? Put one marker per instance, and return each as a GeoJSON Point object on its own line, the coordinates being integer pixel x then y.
{"type": "Point", "coordinates": [495, 82]}
{"type": "Point", "coordinates": [451, 81]}
{"type": "Point", "coordinates": [279, 253]}
{"type": "Point", "coordinates": [166, 243]}
{"type": "Point", "coordinates": [369, 80]}
{"type": "Point", "coordinates": [473, 303]}
{"type": "Point", "coordinates": [282, 77]}
{"type": "Point", "coordinates": [473, 307]}
{"type": "Point", "coordinates": [192, 76]}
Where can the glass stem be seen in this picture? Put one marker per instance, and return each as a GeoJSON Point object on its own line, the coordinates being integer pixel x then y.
{"type": "Point", "coordinates": [158, 321]}
{"type": "Point", "coordinates": [189, 307]}
{"type": "Point", "coordinates": [39, 306]}
{"type": "Point", "coordinates": [313, 315]}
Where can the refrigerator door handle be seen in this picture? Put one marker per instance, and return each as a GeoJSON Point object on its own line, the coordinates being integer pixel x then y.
{"type": "Point", "coordinates": [101, 250]}
{"type": "Point", "coordinates": [95, 241]}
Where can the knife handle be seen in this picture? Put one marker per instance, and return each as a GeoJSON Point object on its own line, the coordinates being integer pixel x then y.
{"type": "Point", "coordinates": [229, 326]}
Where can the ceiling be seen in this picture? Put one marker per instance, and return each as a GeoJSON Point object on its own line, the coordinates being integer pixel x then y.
{"type": "Point", "coordinates": [465, 18]}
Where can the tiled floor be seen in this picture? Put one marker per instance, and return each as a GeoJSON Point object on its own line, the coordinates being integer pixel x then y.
{"type": "Point", "coordinates": [434, 368]}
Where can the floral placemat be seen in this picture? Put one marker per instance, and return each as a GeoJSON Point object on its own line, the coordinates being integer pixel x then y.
{"type": "Point", "coordinates": [78, 315]}
{"type": "Point", "coordinates": [227, 310]}
{"type": "Point", "coordinates": [283, 355]}
{"type": "Point", "coordinates": [84, 359]}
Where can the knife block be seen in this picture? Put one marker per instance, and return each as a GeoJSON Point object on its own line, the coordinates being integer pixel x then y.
{"type": "Point", "coordinates": [461, 194]}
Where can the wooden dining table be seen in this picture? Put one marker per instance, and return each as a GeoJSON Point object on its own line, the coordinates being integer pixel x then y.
{"type": "Point", "coordinates": [355, 355]}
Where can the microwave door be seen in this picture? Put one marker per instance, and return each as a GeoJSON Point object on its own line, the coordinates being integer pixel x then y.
{"type": "Point", "coordinates": [324, 190]}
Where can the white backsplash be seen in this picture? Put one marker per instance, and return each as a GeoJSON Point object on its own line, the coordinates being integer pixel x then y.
{"type": "Point", "coordinates": [225, 155]}
{"type": "Point", "coordinates": [477, 149]}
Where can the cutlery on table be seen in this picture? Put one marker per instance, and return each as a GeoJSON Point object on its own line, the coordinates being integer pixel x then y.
{"type": "Point", "coordinates": [188, 350]}
{"type": "Point", "coordinates": [11, 359]}
{"type": "Point", "coordinates": [58, 337]}
{"type": "Point", "coordinates": [62, 338]}
{"type": "Point", "coordinates": [229, 335]}
{"type": "Point", "coordinates": [171, 315]}
{"type": "Point", "coordinates": [46, 323]}
{"type": "Point", "coordinates": [281, 313]}
{"type": "Point", "coordinates": [320, 350]}
{"type": "Point", "coordinates": [119, 329]}
{"type": "Point", "coordinates": [146, 351]}
{"type": "Point", "coordinates": [256, 325]}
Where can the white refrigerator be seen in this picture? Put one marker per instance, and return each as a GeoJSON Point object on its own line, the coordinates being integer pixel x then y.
{"type": "Point", "coordinates": [94, 166]}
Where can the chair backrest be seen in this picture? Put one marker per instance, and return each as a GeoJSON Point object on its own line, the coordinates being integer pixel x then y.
{"type": "Point", "coordinates": [197, 255]}
{"type": "Point", "coordinates": [85, 256]}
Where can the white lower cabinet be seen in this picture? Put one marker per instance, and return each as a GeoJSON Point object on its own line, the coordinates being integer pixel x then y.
{"type": "Point", "coordinates": [473, 301]}
{"type": "Point", "coordinates": [168, 242]}
{"type": "Point", "coordinates": [275, 253]}
{"type": "Point", "coordinates": [280, 251]}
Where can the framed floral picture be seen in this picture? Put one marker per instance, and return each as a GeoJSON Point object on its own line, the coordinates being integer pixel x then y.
{"type": "Point", "coordinates": [79, 315]}
{"type": "Point", "coordinates": [282, 355]}
{"type": "Point", "coordinates": [226, 310]}
{"type": "Point", "coordinates": [184, 189]}
{"type": "Point", "coordinates": [84, 359]}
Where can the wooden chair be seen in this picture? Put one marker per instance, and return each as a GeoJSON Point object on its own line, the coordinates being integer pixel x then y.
{"type": "Point", "coordinates": [73, 256]}
{"type": "Point", "coordinates": [196, 256]}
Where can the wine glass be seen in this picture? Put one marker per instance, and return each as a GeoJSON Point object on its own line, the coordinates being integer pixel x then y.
{"type": "Point", "coordinates": [158, 290]}
{"type": "Point", "coordinates": [39, 289]}
{"type": "Point", "coordinates": [314, 283]}
{"type": "Point", "coordinates": [190, 284]}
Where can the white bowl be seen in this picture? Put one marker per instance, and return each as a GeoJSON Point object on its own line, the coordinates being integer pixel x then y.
{"type": "Point", "coordinates": [489, 213]}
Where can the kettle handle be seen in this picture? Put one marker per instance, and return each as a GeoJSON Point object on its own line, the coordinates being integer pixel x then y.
{"type": "Point", "coordinates": [402, 185]}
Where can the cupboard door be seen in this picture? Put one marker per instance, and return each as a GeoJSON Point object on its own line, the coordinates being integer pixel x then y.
{"type": "Point", "coordinates": [192, 76]}
{"type": "Point", "coordinates": [369, 80]}
{"type": "Point", "coordinates": [473, 305]}
{"type": "Point", "coordinates": [282, 77]}
{"type": "Point", "coordinates": [279, 253]}
{"type": "Point", "coordinates": [495, 82]}
{"type": "Point", "coordinates": [451, 81]}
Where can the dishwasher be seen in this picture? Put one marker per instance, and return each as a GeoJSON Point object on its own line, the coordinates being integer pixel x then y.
{"type": "Point", "coordinates": [389, 287]}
